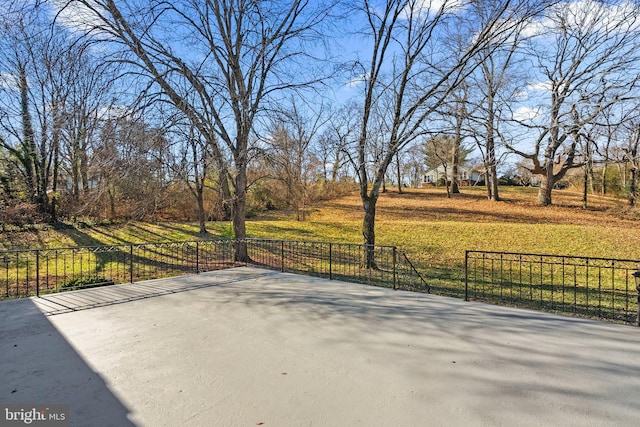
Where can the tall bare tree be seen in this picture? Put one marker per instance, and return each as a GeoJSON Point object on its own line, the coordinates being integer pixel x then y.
{"type": "Point", "coordinates": [127, 171]}
{"type": "Point", "coordinates": [412, 73]}
{"type": "Point", "coordinates": [242, 54]}
{"type": "Point", "coordinates": [496, 83]}
{"type": "Point", "coordinates": [291, 136]}
{"type": "Point", "coordinates": [332, 147]}
{"type": "Point", "coordinates": [193, 166]}
{"type": "Point", "coordinates": [632, 158]}
{"type": "Point", "coordinates": [47, 63]}
{"type": "Point", "coordinates": [456, 113]}
{"type": "Point", "coordinates": [587, 55]}
{"type": "Point", "coordinates": [437, 152]}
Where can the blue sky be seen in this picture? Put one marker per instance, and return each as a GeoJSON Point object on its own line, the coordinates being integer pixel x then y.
{"type": "Point", "coordinates": [351, 46]}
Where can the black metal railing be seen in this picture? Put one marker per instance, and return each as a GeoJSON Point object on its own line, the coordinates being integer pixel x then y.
{"type": "Point", "coordinates": [589, 287]}
{"type": "Point", "coordinates": [336, 261]}
{"type": "Point", "coordinates": [602, 288]}
{"type": "Point", "coordinates": [34, 272]}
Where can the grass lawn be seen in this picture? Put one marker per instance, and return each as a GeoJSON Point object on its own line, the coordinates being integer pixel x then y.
{"type": "Point", "coordinates": [421, 222]}
{"type": "Point", "coordinates": [431, 229]}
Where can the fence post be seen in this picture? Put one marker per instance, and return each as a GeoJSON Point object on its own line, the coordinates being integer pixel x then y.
{"type": "Point", "coordinates": [6, 261]}
{"type": "Point", "coordinates": [370, 261]}
{"type": "Point", "coordinates": [197, 257]}
{"type": "Point", "coordinates": [282, 256]}
{"type": "Point", "coordinates": [638, 315]}
{"type": "Point", "coordinates": [131, 263]}
{"type": "Point", "coordinates": [330, 263]}
{"type": "Point", "coordinates": [38, 273]}
{"type": "Point", "coordinates": [466, 275]}
{"type": "Point", "coordinates": [395, 286]}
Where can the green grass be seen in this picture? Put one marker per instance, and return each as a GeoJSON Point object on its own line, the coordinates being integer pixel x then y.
{"type": "Point", "coordinates": [434, 231]}
{"type": "Point", "coordinates": [422, 222]}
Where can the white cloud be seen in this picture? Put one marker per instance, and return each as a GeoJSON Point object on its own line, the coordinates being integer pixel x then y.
{"type": "Point", "coordinates": [106, 112]}
{"type": "Point", "coordinates": [77, 16]}
{"type": "Point", "coordinates": [357, 81]}
{"type": "Point", "coordinates": [537, 27]}
{"type": "Point", "coordinates": [526, 113]}
{"type": "Point", "coordinates": [424, 9]}
{"type": "Point", "coordinates": [539, 86]}
{"type": "Point", "coordinates": [448, 6]}
{"type": "Point", "coordinates": [577, 14]}
{"type": "Point", "coordinates": [526, 93]}
{"type": "Point", "coordinates": [8, 81]}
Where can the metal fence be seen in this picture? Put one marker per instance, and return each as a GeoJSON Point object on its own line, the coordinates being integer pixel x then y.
{"type": "Point", "coordinates": [35, 272]}
{"type": "Point", "coordinates": [581, 286]}
{"type": "Point", "coordinates": [600, 288]}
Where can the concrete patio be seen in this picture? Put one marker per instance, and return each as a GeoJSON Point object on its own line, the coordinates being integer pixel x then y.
{"type": "Point", "coordinates": [246, 347]}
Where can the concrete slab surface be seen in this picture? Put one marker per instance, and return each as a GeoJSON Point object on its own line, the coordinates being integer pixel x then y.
{"type": "Point", "coordinates": [246, 347]}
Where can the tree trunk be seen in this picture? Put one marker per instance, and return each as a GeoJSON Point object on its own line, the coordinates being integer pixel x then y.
{"type": "Point", "coordinates": [75, 176]}
{"type": "Point", "coordinates": [225, 196]}
{"type": "Point", "coordinates": [633, 162]}
{"type": "Point", "coordinates": [399, 176]}
{"type": "Point", "coordinates": [455, 155]}
{"type": "Point", "coordinates": [201, 213]}
{"type": "Point", "coordinates": [84, 170]}
{"type": "Point", "coordinates": [494, 183]}
{"type": "Point", "coordinates": [544, 193]}
{"type": "Point", "coordinates": [622, 173]}
{"type": "Point", "coordinates": [446, 180]}
{"type": "Point", "coordinates": [55, 172]}
{"type": "Point", "coordinates": [239, 206]}
{"type": "Point", "coordinates": [632, 187]}
{"type": "Point", "coordinates": [454, 169]}
{"type": "Point", "coordinates": [490, 164]}
{"type": "Point", "coordinates": [28, 152]}
{"type": "Point", "coordinates": [585, 188]}
{"type": "Point", "coordinates": [368, 230]}
{"type": "Point", "coordinates": [335, 168]}
{"type": "Point", "coordinates": [487, 183]}
{"type": "Point", "coordinates": [112, 202]}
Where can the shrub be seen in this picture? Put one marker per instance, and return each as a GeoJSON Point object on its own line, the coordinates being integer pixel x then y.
{"type": "Point", "coordinates": [20, 214]}
{"type": "Point", "coordinates": [86, 282]}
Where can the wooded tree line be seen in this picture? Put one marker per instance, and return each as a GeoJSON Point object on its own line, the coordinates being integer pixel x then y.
{"type": "Point", "coordinates": [168, 109]}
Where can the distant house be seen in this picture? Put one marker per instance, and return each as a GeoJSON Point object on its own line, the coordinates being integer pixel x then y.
{"type": "Point", "coordinates": [466, 176]}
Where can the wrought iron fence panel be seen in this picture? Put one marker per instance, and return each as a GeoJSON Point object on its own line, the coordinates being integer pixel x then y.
{"type": "Point", "coordinates": [34, 272]}
{"type": "Point", "coordinates": [590, 287]}
{"type": "Point", "coordinates": [600, 288]}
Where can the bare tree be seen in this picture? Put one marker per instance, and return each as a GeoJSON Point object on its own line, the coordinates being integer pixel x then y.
{"type": "Point", "coordinates": [47, 64]}
{"type": "Point", "coordinates": [456, 113]}
{"type": "Point", "coordinates": [586, 52]}
{"type": "Point", "coordinates": [496, 86]}
{"type": "Point", "coordinates": [438, 151]}
{"type": "Point", "coordinates": [414, 166]}
{"type": "Point", "coordinates": [291, 135]}
{"type": "Point", "coordinates": [411, 73]}
{"type": "Point", "coordinates": [88, 84]}
{"type": "Point", "coordinates": [127, 170]}
{"type": "Point", "coordinates": [193, 167]}
{"type": "Point", "coordinates": [242, 55]}
{"type": "Point", "coordinates": [632, 158]}
{"type": "Point", "coordinates": [332, 147]}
